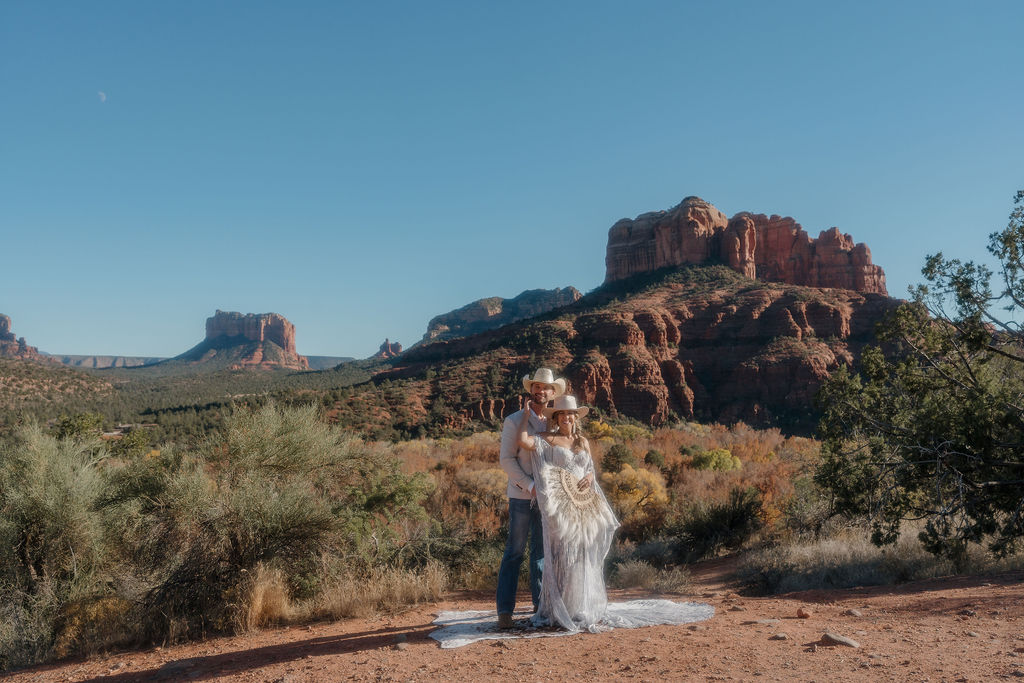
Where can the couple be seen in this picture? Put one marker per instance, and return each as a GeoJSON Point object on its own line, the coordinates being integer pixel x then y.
{"type": "Point", "coordinates": [555, 500]}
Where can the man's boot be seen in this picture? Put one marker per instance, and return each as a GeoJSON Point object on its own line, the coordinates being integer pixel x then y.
{"type": "Point", "coordinates": [504, 621]}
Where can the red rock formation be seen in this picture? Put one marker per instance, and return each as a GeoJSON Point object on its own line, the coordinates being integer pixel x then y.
{"type": "Point", "coordinates": [11, 347]}
{"type": "Point", "coordinates": [258, 340]}
{"type": "Point", "coordinates": [775, 249]}
{"type": "Point", "coordinates": [725, 352]}
{"type": "Point", "coordinates": [388, 349]}
{"type": "Point", "coordinates": [257, 327]}
{"type": "Point", "coordinates": [753, 357]}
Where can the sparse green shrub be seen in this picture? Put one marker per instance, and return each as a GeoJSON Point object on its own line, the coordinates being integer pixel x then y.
{"type": "Point", "coordinates": [617, 456]}
{"type": "Point", "coordinates": [708, 528]}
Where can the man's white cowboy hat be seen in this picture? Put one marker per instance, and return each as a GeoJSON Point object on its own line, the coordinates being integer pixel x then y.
{"type": "Point", "coordinates": [568, 403]}
{"type": "Point", "coordinates": [545, 376]}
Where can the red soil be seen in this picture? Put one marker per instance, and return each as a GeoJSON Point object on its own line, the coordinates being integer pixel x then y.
{"type": "Point", "coordinates": [951, 629]}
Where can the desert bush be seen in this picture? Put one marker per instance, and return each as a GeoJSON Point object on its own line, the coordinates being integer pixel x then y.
{"type": "Point", "coordinates": [57, 545]}
{"type": "Point", "coordinates": [639, 498]}
{"type": "Point", "coordinates": [718, 459]}
{"type": "Point", "coordinates": [708, 528]}
{"type": "Point", "coordinates": [279, 487]}
{"type": "Point", "coordinates": [181, 542]}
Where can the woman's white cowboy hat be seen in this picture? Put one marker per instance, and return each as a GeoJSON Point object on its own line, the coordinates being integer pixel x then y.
{"type": "Point", "coordinates": [568, 403]}
{"type": "Point", "coordinates": [545, 376]}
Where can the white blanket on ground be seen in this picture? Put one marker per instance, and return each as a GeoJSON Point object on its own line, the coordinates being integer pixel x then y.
{"type": "Point", "coordinates": [462, 628]}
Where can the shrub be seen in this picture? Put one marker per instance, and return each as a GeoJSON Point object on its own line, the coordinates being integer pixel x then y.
{"type": "Point", "coordinates": [56, 545]}
{"type": "Point", "coordinates": [639, 498]}
{"type": "Point", "coordinates": [654, 458]}
{"type": "Point", "coordinates": [710, 528]}
{"type": "Point", "coordinates": [718, 459]}
{"type": "Point", "coordinates": [284, 488]}
{"type": "Point", "coordinates": [616, 458]}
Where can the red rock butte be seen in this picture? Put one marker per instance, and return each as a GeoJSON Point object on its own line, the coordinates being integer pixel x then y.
{"type": "Point", "coordinates": [259, 328]}
{"type": "Point", "coordinates": [11, 347]}
{"type": "Point", "coordinates": [388, 349]}
{"type": "Point", "coordinates": [767, 248]}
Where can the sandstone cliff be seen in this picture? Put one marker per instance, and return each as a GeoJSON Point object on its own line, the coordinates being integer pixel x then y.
{"type": "Point", "coordinates": [700, 342]}
{"type": "Point", "coordinates": [388, 349]}
{"type": "Point", "coordinates": [493, 312]}
{"type": "Point", "coordinates": [772, 248]}
{"type": "Point", "coordinates": [11, 347]}
{"type": "Point", "coordinates": [239, 341]}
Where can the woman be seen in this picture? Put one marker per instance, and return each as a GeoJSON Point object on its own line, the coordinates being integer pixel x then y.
{"type": "Point", "coordinates": [578, 523]}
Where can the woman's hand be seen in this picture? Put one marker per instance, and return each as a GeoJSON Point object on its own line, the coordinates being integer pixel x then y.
{"type": "Point", "coordinates": [586, 481]}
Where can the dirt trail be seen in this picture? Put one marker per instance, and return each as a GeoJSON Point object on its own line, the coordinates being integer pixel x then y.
{"type": "Point", "coordinates": [953, 629]}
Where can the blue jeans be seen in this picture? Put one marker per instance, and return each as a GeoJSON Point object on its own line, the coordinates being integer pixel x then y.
{"type": "Point", "coordinates": [523, 521]}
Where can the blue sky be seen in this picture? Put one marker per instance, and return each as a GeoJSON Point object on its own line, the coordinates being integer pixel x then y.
{"type": "Point", "coordinates": [362, 167]}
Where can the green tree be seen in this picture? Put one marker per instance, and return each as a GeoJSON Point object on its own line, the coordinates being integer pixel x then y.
{"type": "Point", "coordinates": [654, 458]}
{"type": "Point", "coordinates": [617, 456]}
{"type": "Point", "coordinates": [932, 425]}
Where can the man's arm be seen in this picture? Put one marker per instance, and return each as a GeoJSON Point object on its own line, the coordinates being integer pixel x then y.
{"type": "Point", "coordinates": [507, 456]}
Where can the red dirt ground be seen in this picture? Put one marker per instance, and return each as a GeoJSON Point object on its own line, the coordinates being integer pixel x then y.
{"type": "Point", "coordinates": [952, 629]}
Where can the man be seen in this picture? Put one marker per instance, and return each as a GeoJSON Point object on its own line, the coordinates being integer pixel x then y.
{"type": "Point", "coordinates": [523, 514]}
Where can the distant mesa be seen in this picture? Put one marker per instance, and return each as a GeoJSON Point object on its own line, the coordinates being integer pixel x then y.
{"type": "Point", "coordinates": [327, 362]}
{"type": "Point", "coordinates": [11, 347]}
{"type": "Point", "coordinates": [772, 248]}
{"type": "Point", "coordinates": [493, 312]}
{"type": "Point", "coordinates": [388, 349]}
{"type": "Point", "coordinates": [103, 362]}
{"type": "Point", "coordinates": [253, 340]}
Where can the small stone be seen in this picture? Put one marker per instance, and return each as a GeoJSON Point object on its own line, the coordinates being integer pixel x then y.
{"type": "Point", "coordinates": [836, 639]}
{"type": "Point", "coordinates": [803, 613]}
{"type": "Point", "coordinates": [737, 608]}
{"type": "Point", "coordinates": [968, 612]}
{"type": "Point", "coordinates": [401, 646]}
{"type": "Point", "coordinates": [853, 613]}
{"type": "Point", "coordinates": [973, 634]}
{"type": "Point", "coordinates": [696, 627]}
{"type": "Point", "coordinates": [779, 636]}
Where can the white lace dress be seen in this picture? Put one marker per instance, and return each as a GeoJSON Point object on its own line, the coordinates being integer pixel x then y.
{"type": "Point", "coordinates": [578, 531]}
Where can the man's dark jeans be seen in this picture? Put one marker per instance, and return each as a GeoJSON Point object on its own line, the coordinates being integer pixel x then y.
{"type": "Point", "coordinates": [523, 521]}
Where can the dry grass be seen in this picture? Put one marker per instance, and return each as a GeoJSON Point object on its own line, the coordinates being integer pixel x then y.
{"type": "Point", "coordinates": [847, 558]}
{"type": "Point", "coordinates": [265, 601]}
{"type": "Point", "coordinates": [640, 574]}
{"type": "Point", "coordinates": [386, 590]}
